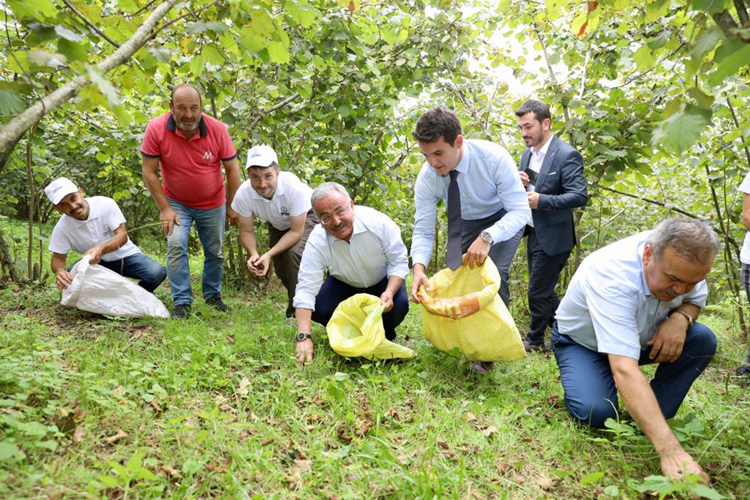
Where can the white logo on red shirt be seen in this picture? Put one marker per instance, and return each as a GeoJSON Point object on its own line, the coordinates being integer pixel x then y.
{"type": "Point", "coordinates": [208, 156]}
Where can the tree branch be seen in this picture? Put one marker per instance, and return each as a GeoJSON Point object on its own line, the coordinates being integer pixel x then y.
{"type": "Point", "coordinates": [22, 122]}
{"type": "Point", "coordinates": [273, 108]}
{"type": "Point", "coordinates": [653, 201]}
{"type": "Point", "coordinates": [88, 23]}
{"type": "Point", "coordinates": [189, 13]}
{"type": "Point", "coordinates": [739, 5]}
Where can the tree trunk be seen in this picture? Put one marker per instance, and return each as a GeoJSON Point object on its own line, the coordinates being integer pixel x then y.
{"type": "Point", "coordinates": [18, 126]}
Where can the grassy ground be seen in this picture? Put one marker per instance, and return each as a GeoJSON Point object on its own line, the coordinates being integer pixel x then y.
{"type": "Point", "coordinates": [215, 406]}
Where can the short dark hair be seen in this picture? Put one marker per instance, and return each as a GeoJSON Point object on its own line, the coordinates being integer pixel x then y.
{"type": "Point", "coordinates": [436, 123]}
{"type": "Point", "coordinates": [540, 110]}
{"type": "Point", "coordinates": [184, 85]}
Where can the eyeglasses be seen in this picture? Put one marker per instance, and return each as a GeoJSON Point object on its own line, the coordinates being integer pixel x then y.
{"type": "Point", "coordinates": [338, 213]}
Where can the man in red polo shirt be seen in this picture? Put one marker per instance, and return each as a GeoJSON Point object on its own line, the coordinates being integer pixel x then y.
{"type": "Point", "coordinates": [190, 148]}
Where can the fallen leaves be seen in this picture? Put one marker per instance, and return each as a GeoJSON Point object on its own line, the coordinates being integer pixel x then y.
{"type": "Point", "coordinates": [119, 436]}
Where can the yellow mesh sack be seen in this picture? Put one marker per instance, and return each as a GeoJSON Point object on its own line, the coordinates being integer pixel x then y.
{"type": "Point", "coordinates": [463, 311]}
{"type": "Point", "coordinates": [356, 330]}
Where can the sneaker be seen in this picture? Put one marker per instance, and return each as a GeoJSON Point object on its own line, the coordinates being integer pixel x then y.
{"type": "Point", "coordinates": [217, 303]}
{"type": "Point", "coordinates": [481, 367]}
{"type": "Point", "coordinates": [181, 311]}
{"type": "Point", "coordinates": [530, 346]}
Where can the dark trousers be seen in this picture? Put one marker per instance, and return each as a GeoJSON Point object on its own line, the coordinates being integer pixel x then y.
{"type": "Point", "coordinates": [335, 291]}
{"type": "Point", "coordinates": [590, 392]}
{"type": "Point", "coordinates": [544, 271]}
{"type": "Point", "coordinates": [501, 253]}
{"type": "Point", "coordinates": [286, 264]}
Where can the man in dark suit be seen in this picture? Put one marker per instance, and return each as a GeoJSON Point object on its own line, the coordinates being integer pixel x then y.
{"type": "Point", "coordinates": [552, 172]}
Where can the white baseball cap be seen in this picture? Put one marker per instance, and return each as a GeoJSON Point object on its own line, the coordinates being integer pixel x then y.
{"type": "Point", "coordinates": [261, 156]}
{"type": "Point", "coordinates": [59, 189]}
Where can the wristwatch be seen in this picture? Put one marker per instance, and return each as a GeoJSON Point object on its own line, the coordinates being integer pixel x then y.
{"type": "Point", "coordinates": [689, 318]}
{"type": "Point", "coordinates": [302, 336]}
{"type": "Point", "coordinates": [486, 237]}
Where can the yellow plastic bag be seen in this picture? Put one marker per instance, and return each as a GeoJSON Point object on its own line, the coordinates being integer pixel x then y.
{"type": "Point", "coordinates": [356, 329]}
{"type": "Point", "coordinates": [463, 310]}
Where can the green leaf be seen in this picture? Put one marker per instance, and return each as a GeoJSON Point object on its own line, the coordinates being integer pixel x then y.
{"type": "Point", "coordinates": [251, 40]}
{"type": "Point", "coordinates": [656, 10]}
{"type": "Point", "coordinates": [197, 64]}
{"type": "Point", "coordinates": [731, 56]}
{"type": "Point", "coordinates": [262, 23]}
{"type": "Point", "coordinates": [72, 50]}
{"type": "Point", "coordinates": [8, 450]}
{"type": "Point", "coordinates": [38, 9]}
{"type": "Point", "coordinates": [706, 492]}
{"type": "Point", "coordinates": [591, 478]}
{"type": "Point", "coordinates": [681, 130]}
{"type": "Point", "coordinates": [212, 55]}
{"type": "Point", "coordinates": [10, 103]}
{"type": "Point", "coordinates": [196, 27]}
{"type": "Point", "coordinates": [278, 53]}
{"type": "Point", "coordinates": [303, 14]}
{"type": "Point", "coordinates": [67, 34]}
{"type": "Point", "coordinates": [704, 100]}
{"type": "Point", "coordinates": [705, 42]}
{"type": "Point", "coordinates": [105, 87]}
{"type": "Point", "coordinates": [612, 491]}
{"type": "Point", "coordinates": [644, 58]}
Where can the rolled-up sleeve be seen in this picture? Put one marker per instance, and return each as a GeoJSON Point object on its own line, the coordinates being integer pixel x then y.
{"type": "Point", "coordinates": [425, 202]}
{"type": "Point", "coordinates": [513, 198]}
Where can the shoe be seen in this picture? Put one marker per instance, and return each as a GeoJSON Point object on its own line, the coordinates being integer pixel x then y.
{"type": "Point", "coordinates": [181, 311]}
{"type": "Point", "coordinates": [217, 303]}
{"type": "Point", "coordinates": [481, 367]}
{"type": "Point", "coordinates": [530, 346]}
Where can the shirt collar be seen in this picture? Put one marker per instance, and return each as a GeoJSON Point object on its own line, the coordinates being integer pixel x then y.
{"type": "Point", "coordinates": [172, 126]}
{"type": "Point", "coordinates": [639, 252]}
{"type": "Point", "coordinates": [545, 148]}
{"type": "Point", "coordinates": [463, 165]}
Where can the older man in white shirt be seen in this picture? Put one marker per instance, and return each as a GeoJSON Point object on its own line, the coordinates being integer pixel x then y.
{"type": "Point", "coordinates": [632, 303]}
{"type": "Point", "coordinates": [362, 251]}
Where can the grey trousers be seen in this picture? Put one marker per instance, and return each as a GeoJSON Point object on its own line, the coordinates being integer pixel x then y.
{"type": "Point", "coordinates": [286, 264]}
{"type": "Point", "coordinates": [501, 252]}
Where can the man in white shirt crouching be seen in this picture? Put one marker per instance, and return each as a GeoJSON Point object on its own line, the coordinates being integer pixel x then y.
{"type": "Point", "coordinates": [632, 303]}
{"type": "Point", "coordinates": [95, 226]}
{"type": "Point", "coordinates": [362, 251]}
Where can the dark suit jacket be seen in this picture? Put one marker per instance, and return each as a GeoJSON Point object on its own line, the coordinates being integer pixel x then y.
{"type": "Point", "coordinates": [561, 187]}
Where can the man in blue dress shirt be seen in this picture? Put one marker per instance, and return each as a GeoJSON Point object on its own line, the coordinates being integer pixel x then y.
{"type": "Point", "coordinates": [632, 303]}
{"type": "Point", "coordinates": [494, 205]}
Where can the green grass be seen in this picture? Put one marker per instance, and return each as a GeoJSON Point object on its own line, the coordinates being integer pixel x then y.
{"type": "Point", "coordinates": [215, 406]}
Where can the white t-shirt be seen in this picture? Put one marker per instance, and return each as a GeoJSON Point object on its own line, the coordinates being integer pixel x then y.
{"type": "Point", "coordinates": [83, 235]}
{"type": "Point", "coordinates": [745, 252]}
{"type": "Point", "coordinates": [608, 306]}
{"type": "Point", "coordinates": [292, 198]}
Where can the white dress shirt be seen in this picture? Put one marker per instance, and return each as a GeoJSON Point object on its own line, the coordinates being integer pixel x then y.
{"type": "Point", "coordinates": [536, 160]}
{"type": "Point", "coordinates": [83, 235]}
{"type": "Point", "coordinates": [609, 308]}
{"type": "Point", "coordinates": [488, 181]}
{"type": "Point", "coordinates": [292, 198]}
{"type": "Point", "coordinates": [745, 252]}
{"type": "Point", "coordinates": [374, 252]}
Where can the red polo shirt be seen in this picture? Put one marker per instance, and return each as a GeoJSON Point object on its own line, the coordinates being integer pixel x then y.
{"type": "Point", "coordinates": [191, 170]}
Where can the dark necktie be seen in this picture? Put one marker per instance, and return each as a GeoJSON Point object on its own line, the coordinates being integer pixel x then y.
{"type": "Point", "coordinates": [453, 259]}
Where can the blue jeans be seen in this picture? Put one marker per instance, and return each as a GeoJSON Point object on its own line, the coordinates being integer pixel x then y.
{"type": "Point", "coordinates": [210, 226]}
{"type": "Point", "coordinates": [146, 270]}
{"type": "Point", "coordinates": [590, 392]}
{"type": "Point", "coordinates": [335, 291]}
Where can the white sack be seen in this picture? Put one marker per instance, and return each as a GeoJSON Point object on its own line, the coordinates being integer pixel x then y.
{"type": "Point", "coordinates": [98, 290]}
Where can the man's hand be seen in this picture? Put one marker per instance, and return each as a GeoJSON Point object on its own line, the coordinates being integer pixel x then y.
{"type": "Point", "coordinates": [669, 339]}
{"type": "Point", "coordinates": [304, 352]}
{"type": "Point", "coordinates": [63, 279]}
{"type": "Point", "coordinates": [533, 199]}
{"type": "Point", "coordinates": [168, 218]}
{"type": "Point", "coordinates": [232, 217]}
{"type": "Point", "coordinates": [477, 252]}
{"type": "Point", "coordinates": [259, 265]}
{"type": "Point", "coordinates": [386, 298]}
{"type": "Point", "coordinates": [420, 279]}
{"type": "Point", "coordinates": [95, 255]}
{"type": "Point", "coordinates": [524, 179]}
{"type": "Point", "coordinates": [679, 465]}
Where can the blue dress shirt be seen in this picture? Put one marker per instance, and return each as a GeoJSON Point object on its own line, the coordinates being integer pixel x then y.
{"type": "Point", "coordinates": [488, 180]}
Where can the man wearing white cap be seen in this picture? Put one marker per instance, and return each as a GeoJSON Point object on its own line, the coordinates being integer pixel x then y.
{"type": "Point", "coordinates": [283, 201]}
{"type": "Point", "coordinates": [95, 226]}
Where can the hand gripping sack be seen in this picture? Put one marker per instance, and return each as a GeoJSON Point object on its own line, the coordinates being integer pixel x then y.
{"type": "Point", "coordinates": [463, 310]}
{"type": "Point", "coordinates": [356, 329]}
{"type": "Point", "coordinates": [98, 290]}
